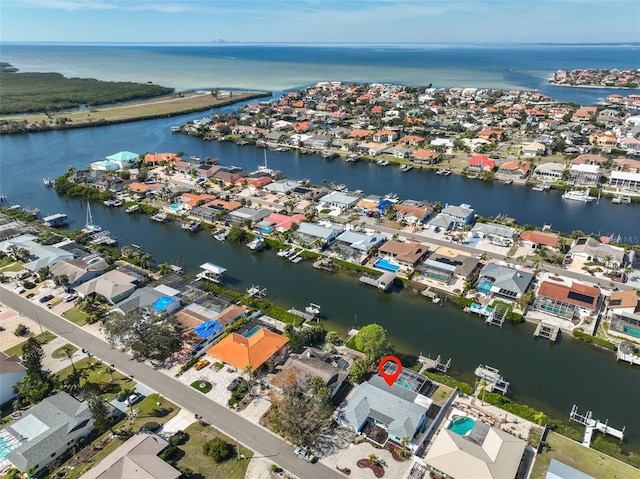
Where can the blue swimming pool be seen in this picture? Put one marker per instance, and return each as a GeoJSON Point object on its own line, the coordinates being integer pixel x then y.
{"type": "Point", "coordinates": [384, 265]}
{"type": "Point", "coordinates": [252, 331]}
{"type": "Point", "coordinates": [484, 286]}
{"type": "Point", "coordinates": [461, 425]}
{"type": "Point", "coordinates": [5, 448]}
{"type": "Point", "coordinates": [174, 207]}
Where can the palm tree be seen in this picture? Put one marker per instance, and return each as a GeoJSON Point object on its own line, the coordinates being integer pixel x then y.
{"type": "Point", "coordinates": [164, 268]}
{"type": "Point", "coordinates": [68, 351]}
{"type": "Point", "coordinates": [145, 260]}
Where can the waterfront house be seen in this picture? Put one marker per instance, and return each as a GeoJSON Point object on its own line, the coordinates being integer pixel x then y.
{"type": "Point", "coordinates": [46, 431]}
{"type": "Point", "coordinates": [232, 314]}
{"type": "Point", "coordinates": [385, 136]}
{"type": "Point", "coordinates": [360, 134]}
{"type": "Point", "coordinates": [11, 372]}
{"type": "Point", "coordinates": [406, 255]}
{"type": "Point", "coordinates": [446, 268]}
{"type": "Point", "coordinates": [625, 180]}
{"type": "Point", "coordinates": [314, 362]}
{"type": "Point", "coordinates": [245, 214]}
{"type": "Point", "coordinates": [628, 164]}
{"type": "Point", "coordinates": [549, 172]}
{"type": "Point", "coordinates": [412, 212]}
{"type": "Point", "coordinates": [355, 244]}
{"type": "Point", "coordinates": [585, 175]}
{"type": "Point", "coordinates": [425, 157]}
{"type": "Point", "coordinates": [203, 309]}
{"type": "Point", "coordinates": [584, 113]}
{"type": "Point", "coordinates": [229, 179]}
{"type": "Point", "coordinates": [40, 256]}
{"type": "Point", "coordinates": [485, 453]}
{"type": "Point", "coordinates": [503, 280]}
{"type": "Point", "coordinates": [565, 301]}
{"type": "Point", "coordinates": [481, 163]}
{"type": "Point", "coordinates": [104, 165]}
{"type": "Point", "coordinates": [144, 190]}
{"type": "Point", "coordinates": [370, 149]}
{"type": "Point", "coordinates": [318, 142]}
{"type": "Point", "coordinates": [539, 239]}
{"type": "Point", "coordinates": [207, 171]}
{"type": "Point", "coordinates": [631, 145]}
{"type": "Point", "coordinates": [188, 200]}
{"type": "Point", "coordinates": [412, 140]}
{"type": "Point", "coordinates": [258, 346]}
{"type": "Point", "coordinates": [124, 159]}
{"type": "Point", "coordinates": [493, 232]}
{"type": "Point", "coordinates": [593, 250]}
{"type": "Point", "coordinates": [624, 314]}
{"type": "Point", "coordinates": [79, 270]}
{"type": "Point", "coordinates": [282, 222]}
{"type": "Point", "coordinates": [338, 200]}
{"type": "Point", "coordinates": [453, 216]}
{"type": "Point", "coordinates": [308, 233]}
{"type": "Point", "coordinates": [156, 159]}
{"type": "Point", "coordinates": [136, 458]}
{"type": "Point", "coordinates": [114, 285]}
{"type": "Point", "coordinates": [143, 298]}
{"type": "Point", "coordinates": [589, 159]}
{"type": "Point", "coordinates": [514, 170]}
{"type": "Point", "coordinates": [382, 412]}
{"type": "Point", "coordinates": [282, 187]}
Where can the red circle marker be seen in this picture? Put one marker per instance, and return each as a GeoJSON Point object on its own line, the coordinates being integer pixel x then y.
{"type": "Point", "coordinates": [390, 378]}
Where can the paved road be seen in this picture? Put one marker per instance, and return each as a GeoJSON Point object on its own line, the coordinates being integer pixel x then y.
{"type": "Point", "coordinates": [250, 435]}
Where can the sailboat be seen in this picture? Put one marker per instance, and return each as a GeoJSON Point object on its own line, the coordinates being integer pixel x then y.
{"type": "Point", "coordinates": [264, 168]}
{"type": "Point", "coordinates": [90, 226]}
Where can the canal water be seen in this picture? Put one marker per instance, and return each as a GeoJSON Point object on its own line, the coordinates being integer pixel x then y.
{"type": "Point", "coordinates": [548, 377]}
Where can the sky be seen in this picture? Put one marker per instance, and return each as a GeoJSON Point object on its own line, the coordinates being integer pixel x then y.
{"type": "Point", "coordinates": [311, 21]}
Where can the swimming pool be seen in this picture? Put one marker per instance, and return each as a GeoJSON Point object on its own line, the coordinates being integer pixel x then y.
{"type": "Point", "coordinates": [385, 265]}
{"type": "Point", "coordinates": [5, 448]}
{"type": "Point", "coordinates": [484, 286]}
{"type": "Point", "coordinates": [404, 383]}
{"type": "Point", "coordinates": [174, 207]}
{"type": "Point", "coordinates": [461, 425]}
{"type": "Point", "coordinates": [252, 331]}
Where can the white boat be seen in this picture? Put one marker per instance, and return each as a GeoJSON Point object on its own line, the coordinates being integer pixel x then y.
{"type": "Point", "coordinates": [160, 217]}
{"type": "Point", "coordinates": [541, 187]}
{"type": "Point", "coordinates": [221, 234]}
{"type": "Point", "coordinates": [578, 195]}
{"type": "Point", "coordinates": [47, 182]}
{"type": "Point", "coordinates": [313, 309]}
{"type": "Point", "coordinates": [90, 226]}
{"type": "Point", "coordinates": [191, 226]}
{"type": "Point", "coordinates": [382, 163]}
{"type": "Point", "coordinates": [256, 244]}
{"type": "Point", "coordinates": [108, 202]}
{"type": "Point", "coordinates": [406, 167]}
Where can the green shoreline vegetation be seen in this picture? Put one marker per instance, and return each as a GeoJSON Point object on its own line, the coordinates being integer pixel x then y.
{"type": "Point", "coordinates": [33, 102]}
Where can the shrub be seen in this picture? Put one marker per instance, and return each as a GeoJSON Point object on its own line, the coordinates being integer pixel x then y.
{"type": "Point", "coordinates": [179, 438]}
{"type": "Point", "coordinates": [218, 449]}
{"type": "Point", "coordinates": [20, 330]}
{"type": "Point", "coordinates": [449, 381]}
{"type": "Point", "coordinates": [151, 426]}
{"type": "Point", "coordinates": [29, 284]}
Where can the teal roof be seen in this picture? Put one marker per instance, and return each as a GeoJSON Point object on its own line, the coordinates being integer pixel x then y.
{"type": "Point", "coordinates": [123, 156]}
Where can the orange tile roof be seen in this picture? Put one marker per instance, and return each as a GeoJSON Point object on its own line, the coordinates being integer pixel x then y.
{"type": "Point", "coordinates": [160, 157]}
{"type": "Point", "coordinates": [623, 299]}
{"type": "Point", "coordinates": [253, 351]}
{"type": "Point", "coordinates": [578, 294]}
{"type": "Point", "coordinates": [538, 237]}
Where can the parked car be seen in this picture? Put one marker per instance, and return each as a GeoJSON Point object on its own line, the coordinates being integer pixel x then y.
{"type": "Point", "coordinates": [46, 298]}
{"type": "Point", "coordinates": [70, 297]}
{"type": "Point", "coordinates": [203, 363]}
{"type": "Point", "coordinates": [235, 384]}
{"type": "Point", "coordinates": [304, 454]}
{"type": "Point", "coordinates": [24, 274]}
{"type": "Point", "coordinates": [131, 400]}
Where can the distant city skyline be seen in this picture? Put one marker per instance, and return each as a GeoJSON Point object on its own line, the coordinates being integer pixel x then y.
{"type": "Point", "coordinates": [316, 21]}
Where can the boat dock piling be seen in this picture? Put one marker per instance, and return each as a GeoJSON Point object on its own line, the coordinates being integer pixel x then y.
{"type": "Point", "coordinates": [325, 264]}
{"type": "Point", "coordinates": [498, 315]}
{"type": "Point", "coordinates": [384, 282]}
{"type": "Point", "coordinates": [302, 314]}
{"type": "Point", "coordinates": [434, 364]}
{"type": "Point", "coordinates": [256, 291]}
{"type": "Point", "coordinates": [547, 331]}
{"type": "Point", "coordinates": [591, 425]}
{"type": "Point", "coordinates": [493, 379]}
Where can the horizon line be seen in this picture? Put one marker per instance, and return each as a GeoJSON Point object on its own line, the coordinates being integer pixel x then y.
{"type": "Point", "coordinates": [234, 42]}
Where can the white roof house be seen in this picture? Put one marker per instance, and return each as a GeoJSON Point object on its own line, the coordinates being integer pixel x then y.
{"type": "Point", "coordinates": [487, 453]}
{"type": "Point", "coordinates": [40, 255]}
{"type": "Point", "coordinates": [337, 199]}
{"type": "Point", "coordinates": [312, 231]}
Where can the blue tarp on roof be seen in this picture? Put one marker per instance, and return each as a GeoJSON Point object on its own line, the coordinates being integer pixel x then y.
{"type": "Point", "coordinates": [384, 203]}
{"type": "Point", "coordinates": [207, 328]}
{"type": "Point", "coordinates": [161, 304]}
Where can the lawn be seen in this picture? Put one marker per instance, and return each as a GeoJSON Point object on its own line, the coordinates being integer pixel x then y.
{"type": "Point", "coordinates": [204, 466]}
{"type": "Point", "coordinates": [100, 373]}
{"type": "Point", "coordinates": [76, 316]}
{"type": "Point", "coordinates": [581, 458]}
{"type": "Point", "coordinates": [43, 338]}
{"type": "Point", "coordinates": [12, 266]}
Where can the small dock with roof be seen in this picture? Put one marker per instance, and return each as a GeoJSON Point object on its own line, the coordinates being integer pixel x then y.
{"type": "Point", "coordinates": [211, 272]}
{"type": "Point", "coordinates": [495, 382]}
{"type": "Point", "coordinates": [547, 331]}
{"type": "Point", "coordinates": [384, 282]}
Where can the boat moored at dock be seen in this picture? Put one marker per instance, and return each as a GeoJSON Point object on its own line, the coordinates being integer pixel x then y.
{"type": "Point", "coordinates": [578, 195]}
{"type": "Point", "coordinates": [55, 220]}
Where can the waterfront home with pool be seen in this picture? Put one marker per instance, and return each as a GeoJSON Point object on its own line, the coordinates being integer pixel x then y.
{"type": "Point", "coordinates": [568, 302]}
{"type": "Point", "coordinates": [502, 280]}
{"type": "Point", "coordinates": [624, 312]}
{"type": "Point", "coordinates": [400, 255]}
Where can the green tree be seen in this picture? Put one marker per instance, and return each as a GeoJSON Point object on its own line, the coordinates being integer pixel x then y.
{"type": "Point", "coordinates": [372, 340]}
{"type": "Point", "coordinates": [100, 412]}
{"type": "Point", "coordinates": [43, 273]}
{"type": "Point", "coordinates": [237, 234]}
{"type": "Point", "coordinates": [164, 268]}
{"type": "Point", "coordinates": [302, 411]}
{"type": "Point", "coordinates": [61, 280]}
{"type": "Point", "coordinates": [32, 355]}
{"type": "Point", "coordinates": [218, 449]}
{"type": "Point", "coordinates": [360, 370]}
{"type": "Point", "coordinates": [68, 351]}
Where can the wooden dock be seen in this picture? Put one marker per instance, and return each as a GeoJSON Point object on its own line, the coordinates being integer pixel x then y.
{"type": "Point", "coordinates": [494, 381]}
{"type": "Point", "coordinates": [630, 358]}
{"type": "Point", "coordinates": [591, 425]}
{"type": "Point", "coordinates": [384, 282]}
{"type": "Point", "coordinates": [324, 264]}
{"type": "Point", "coordinates": [434, 364]}
{"type": "Point", "coordinates": [547, 331]}
{"type": "Point", "coordinates": [256, 291]}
